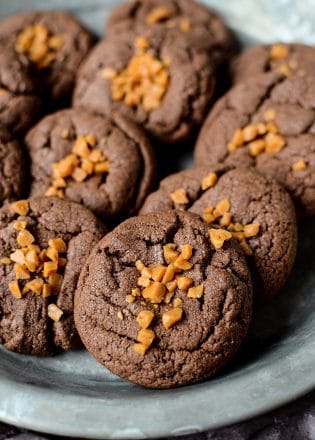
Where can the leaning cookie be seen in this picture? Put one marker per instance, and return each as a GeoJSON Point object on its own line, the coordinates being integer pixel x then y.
{"type": "Point", "coordinates": [158, 81]}
{"type": "Point", "coordinates": [290, 59]}
{"type": "Point", "coordinates": [255, 210]}
{"type": "Point", "coordinates": [20, 101]}
{"type": "Point", "coordinates": [199, 26]}
{"type": "Point", "coordinates": [105, 164]}
{"type": "Point", "coordinates": [268, 123]}
{"type": "Point", "coordinates": [162, 303]}
{"type": "Point", "coordinates": [53, 41]}
{"type": "Point", "coordinates": [13, 168]}
{"type": "Point", "coordinates": [44, 244]}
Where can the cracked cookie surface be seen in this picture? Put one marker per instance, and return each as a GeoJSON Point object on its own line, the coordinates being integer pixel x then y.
{"type": "Point", "coordinates": [292, 102]}
{"type": "Point", "coordinates": [12, 169]}
{"type": "Point", "coordinates": [198, 25]}
{"type": "Point", "coordinates": [70, 43]}
{"type": "Point", "coordinates": [186, 92]}
{"type": "Point", "coordinates": [212, 327]}
{"type": "Point", "coordinates": [253, 199]}
{"type": "Point", "coordinates": [20, 100]}
{"type": "Point", "coordinates": [112, 195]}
{"type": "Point", "coordinates": [25, 326]}
{"type": "Point", "coordinates": [294, 59]}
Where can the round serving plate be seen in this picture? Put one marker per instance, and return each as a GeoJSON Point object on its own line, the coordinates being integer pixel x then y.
{"type": "Point", "coordinates": [72, 395]}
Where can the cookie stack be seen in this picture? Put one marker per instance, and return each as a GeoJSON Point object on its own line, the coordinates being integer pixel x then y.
{"type": "Point", "coordinates": [158, 286]}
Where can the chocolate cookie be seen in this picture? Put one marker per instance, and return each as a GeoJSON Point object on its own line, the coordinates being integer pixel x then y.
{"type": "Point", "coordinates": [54, 42]}
{"type": "Point", "coordinates": [20, 100]}
{"type": "Point", "coordinates": [200, 26]}
{"type": "Point", "coordinates": [158, 304]}
{"type": "Point", "coordinates": [289, 59]}
{"type": "Point", "coordinates": [158, 81]}
{"type": "Point", "coordinates": [267, 122]}
{"type": "Point", "coordinates": [256, 210]}
{"type": "Point", "coordinates": [44, 243]}
{"type": "Point", "coordinates": [105, 164]}
{"type": "Point", "coordinates": [12, 169]}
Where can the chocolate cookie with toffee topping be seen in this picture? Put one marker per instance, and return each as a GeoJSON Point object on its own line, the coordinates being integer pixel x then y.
{"type": "Point", "coordinates": [105, 164]}
{"type": "Point", "coordinates": [198, 25]}
{"type": "Point", "coordinates": [268, 123]}
{"type": "Point", "coordinates": [159, 82]}
{"type": "Point", "coordinates": [158, 304]}
{"type": "Point", "coordinates": [44, 244]}
{"type": "Point", "coordinates": [290, 59]}
{"type": "Point", "coordinates": [53, 41]}
{"type": "Point", "coordinates": [257, 212]}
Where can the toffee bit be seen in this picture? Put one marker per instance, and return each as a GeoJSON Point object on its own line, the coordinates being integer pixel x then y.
{"type": "Point", "coordinates": [144, 318]}
{"type": "Point", "coordinates": [179, 196]}
{"type": "Point", "coordinates": [300, 165]}
{"type": "Point", "coordinates": [158, 14]}
{"type": "Point", "coordinates": [218, 237]}
{"type": "Point", "coordinates": [195, 292]}
{"type": "Point", "coordinates": [171, 317]}
{"type": "Point", "coordinates": [54, 312]}
{"type": "Point", "coordinates": [209, 181]}
{"type": "Point", "coordinates": [21, 207]}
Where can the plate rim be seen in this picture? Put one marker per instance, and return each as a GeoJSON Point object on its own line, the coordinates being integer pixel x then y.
{"type": "Point", "coordinates": [18, 412]}
{"type": "Point", "coordinates": [15, 410]}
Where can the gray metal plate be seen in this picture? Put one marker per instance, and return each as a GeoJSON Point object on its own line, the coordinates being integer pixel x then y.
{"type": "Point", "coordinates": [71, 394]}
